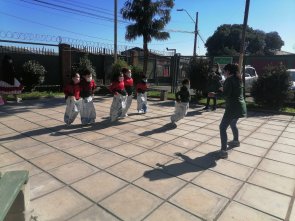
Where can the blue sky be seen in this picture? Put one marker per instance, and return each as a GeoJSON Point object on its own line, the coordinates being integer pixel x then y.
{"type": "Point", "coordinates": [267, 15]}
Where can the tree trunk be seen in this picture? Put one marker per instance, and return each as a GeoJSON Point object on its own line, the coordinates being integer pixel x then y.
{"type": "Point", "coordinates": [145, 56]}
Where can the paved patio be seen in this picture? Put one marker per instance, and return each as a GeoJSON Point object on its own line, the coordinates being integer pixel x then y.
{"type": "Point", "coordinates": [142, 169]}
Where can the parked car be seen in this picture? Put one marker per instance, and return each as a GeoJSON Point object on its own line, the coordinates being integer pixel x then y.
{"type": "Point", "coordinates": [292, 78]}
{"type": "Point", "coordinates": [250, 77]}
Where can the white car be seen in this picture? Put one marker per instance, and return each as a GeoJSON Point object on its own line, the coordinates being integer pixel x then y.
{"type": "Point", "coordinates": [250, 77]}
{"type": "Point", "coordinates": [292, 78]}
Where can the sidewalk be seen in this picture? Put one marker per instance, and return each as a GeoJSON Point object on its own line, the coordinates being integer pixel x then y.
{"type": "Point", "coordinates": [142, 169]}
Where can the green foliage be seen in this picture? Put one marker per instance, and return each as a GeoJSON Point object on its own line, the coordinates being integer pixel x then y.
{"type": "Point", "coordinates": [117, 67]}
{"type": "Point", "coordinates": [272, 87]}
{"type": "Point", "coordinates": [33, 74]}
{"type": "Point", "coordinates": [226, 41]}
{"type": "Point", "coordinates": [149, 20]}
{"type": "Point", "coordinates": [84, 64]}
{"type": "Point", "coordinates": [197, 71]}
{"type": "Point", "coordinates": [136, 72]}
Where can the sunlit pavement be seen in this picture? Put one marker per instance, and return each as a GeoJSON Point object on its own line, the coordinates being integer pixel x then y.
{"type": "Point", "coordinates": [142, 168]}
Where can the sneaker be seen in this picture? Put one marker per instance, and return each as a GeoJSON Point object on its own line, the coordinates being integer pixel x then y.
{"type": "Point", "coordinates": [173, 125]}
{"type": "Point", "coordinates": [233, 143]}
{"type": "Point", "coordinates": [206, 108]}
{"type": "Point", "coordinates": [19, 100]}
{"type": "Point", "coordinates": [140, 111]}
{"type": "Point", "coordinates": [222, 154]}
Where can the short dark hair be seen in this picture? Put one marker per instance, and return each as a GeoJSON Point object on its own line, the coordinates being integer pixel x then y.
{"type": "Point", "coordinates": [185, 81]}
{"type": "Point", "coordinates": [86, 72]}
{"type": "Point", "coordinates": [125, 70]}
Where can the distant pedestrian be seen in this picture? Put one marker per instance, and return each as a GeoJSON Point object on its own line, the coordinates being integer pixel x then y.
{"type": "Point", "coordinates": [128, 84]}
{"type": "Point", "coordinates": [119, 100]}
{"type": "Point", "coordinates": [88, 86]}
{"type": "Point", "coordinates": [213, 85]}
{"type": "Point", "coordinates": [141, 90]}
{"type": "Point", "coordinates": [73, 101]}
{"type": "Point", "coordinates": [235, 107]}
{"type": "Point", "coordinates": [9, 84]}
{"type": "Point", "coordinates": [182, 102]}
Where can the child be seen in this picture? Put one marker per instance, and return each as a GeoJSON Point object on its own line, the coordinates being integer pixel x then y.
{"type": "Point", "coordinates": [88, 86]}
{"type": "Point", "coordinates": [141, 89]}
{"type": "Point", "coordinates": [72, 95]}
{"type": "Point", "coordinates": [119, 100]}
{"type": "Point", "coordinates": [182, 102]}
{"type": "Point", "coordinates": [128, 84]}
{"type": "Point", "coordinates": [213, 86]}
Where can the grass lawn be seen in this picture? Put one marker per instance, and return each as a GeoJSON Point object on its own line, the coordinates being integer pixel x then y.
{"type": "Point", "coordinates": [36, 95]}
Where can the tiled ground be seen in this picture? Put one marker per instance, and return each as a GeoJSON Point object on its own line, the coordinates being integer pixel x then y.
{"type": "Point", "coordinates": [142, 169]}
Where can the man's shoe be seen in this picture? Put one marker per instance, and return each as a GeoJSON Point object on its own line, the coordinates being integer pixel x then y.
{"type": "Point", "coordinates": [222, 154]}
{"type": "Point", "coordinates": [233, 143]}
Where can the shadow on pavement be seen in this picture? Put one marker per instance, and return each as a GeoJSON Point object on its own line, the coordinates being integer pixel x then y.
{"type": "Point", "coordinates": [187, 166]}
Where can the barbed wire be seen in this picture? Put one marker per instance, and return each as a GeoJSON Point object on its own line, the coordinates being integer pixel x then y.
{"type": "Point", "coordinates": [33, 37]}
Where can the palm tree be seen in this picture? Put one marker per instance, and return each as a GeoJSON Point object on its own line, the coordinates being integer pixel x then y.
{"type": "Point", "coordinates": [150, 18]}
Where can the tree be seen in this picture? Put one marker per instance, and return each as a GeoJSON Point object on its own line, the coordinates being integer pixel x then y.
{"type": "Point", "coordinates": [150, 18]}
{"type": "Point", "coordinates": [84, 64]}
{"type": "Point", "coordinates": [33, 74]}
{"type": "Point", "coordinates": [226, 41]}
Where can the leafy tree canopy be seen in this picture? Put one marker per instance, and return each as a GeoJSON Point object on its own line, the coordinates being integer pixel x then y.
{"type": "Point", "coordinates": [226, 41]}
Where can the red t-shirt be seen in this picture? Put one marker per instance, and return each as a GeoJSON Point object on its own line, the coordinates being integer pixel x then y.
{"type": "Point", "coordinates": [87, 88]}
{"type": "Point", "coordinates": [141, 87]}
{"type": "Point", "coordinates": [72, 90]}
{"type": "Point", "coordinates": [117, 87]}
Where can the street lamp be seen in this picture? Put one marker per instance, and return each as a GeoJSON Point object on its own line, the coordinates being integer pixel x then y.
{"type": "Point", "coordinates": [196, 28]}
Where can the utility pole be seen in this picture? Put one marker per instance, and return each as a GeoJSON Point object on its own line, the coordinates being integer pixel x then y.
{"type": "Point", "coordinates": [115, 29]}
{"type": "Point", "coordinates": [242, 46]}
{"type": "Point", "coordinates": [196, 35]}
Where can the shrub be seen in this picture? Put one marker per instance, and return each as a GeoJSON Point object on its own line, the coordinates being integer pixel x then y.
{"type": "Point", "coordinates": [117, 67]}
{"type": "Point", "coordinates": [272, 87]}
{"type": "Point", "coordinates": [84, 64]}
{"type": "Point", "coordinates": [136, 72]}
{"type": "Point", "coordinates": [33, 74]}
{"type": "Point", "coordinates": [197, 71]}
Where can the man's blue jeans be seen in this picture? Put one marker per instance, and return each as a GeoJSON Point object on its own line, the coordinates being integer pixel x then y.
{"type": "Point", "coordinates": [225, 122]}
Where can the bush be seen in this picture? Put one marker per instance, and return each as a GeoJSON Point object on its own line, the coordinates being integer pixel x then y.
{"type": "Point", "coordinates": [84, 64]}
{"type": "Point", "coordinates": [197, 71]}
{"type": "Point", "coordinates": [33, 74]}
{"type": "Point", "coordinates": [117, 67]}
{"type": "Point", "coordinates": [136, 72]}
{"type": "Point", "coordinates": [272, 87]}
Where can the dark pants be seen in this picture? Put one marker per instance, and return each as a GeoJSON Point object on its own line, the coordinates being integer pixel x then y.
{"type": "Point", "coordinates": [208, 101]}
{"type": "Point", "coordinates": [225, 122]}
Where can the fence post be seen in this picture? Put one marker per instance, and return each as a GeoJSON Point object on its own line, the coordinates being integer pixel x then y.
{"type": "Point", "coordinates": [64, 63]}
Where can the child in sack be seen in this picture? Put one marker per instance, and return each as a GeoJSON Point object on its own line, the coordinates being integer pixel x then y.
{"type": "Point", "coordinates": [117, 88]}
{"type": "Point", "coordinates": [72, 96]}
{"type": "Point", "coordinates": [128, 84]}
{"type": "Point", "coordinates": [182, 102]}
{"type": "Point", "coordinates": [141, 90]}
{"type": "Point", "coordinates": [88, 86]}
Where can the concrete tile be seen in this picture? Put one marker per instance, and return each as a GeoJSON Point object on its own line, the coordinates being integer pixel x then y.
{"type": "Point", "coordinates": [273, 127]}
{"type": "Point", "coordinates": [238, 212]}
{"type": "Point", "coordinates": [218, 183]}
{"type": "Point", "coordinates": [9, 158]}
{"type": "Point", "coordinates": [4, 130]}
{"type": "Point", "coordinates": [277, 168]}
{"type": "Point", "coordinates": [87, 136]}
{"type": "Point", "coordinates": [292, 216]}
{"type": "Point", "coordinates": [206, 148]}
{"type": "Point", "coordinates": [168, 212]}
{"type": "Point", "coordinates": [192, 198]}
{"type": "Point", "coordinates": [52, 160]}
{"type": "Point", "coordinates": [269, 131]}
{"type": "Point", "coordinates": [6, 138]}
{"type": "Point", "coordinates": [283, 148]}
{"type": "Point", "coordinates": [66, 143]}
{"type": "Point", "coordinates": [215, 142]}
{"type": "Point", "coordinates": [132, 198]}
{"type": "Point", "coordinates": [273, 182]}
{"type": "Point", "coordinates": [105, 184]}
{"type": "Point", "coordinates": [187, 127]}
{"type": "Point", "coordinates": [73, 171]}
{"type": "Point", "coordinates": [159, 183]}
{"type": "Point", "coordinates": [170, 149]}
{"type": "Point", "coordinates": [288, 135]}
{"type": "Point", "coordinates": [84, 150]}
{"type": "Point", "coordinates": [128, 170]}
{"type": "Point", "coordinates": [197, 137]}
{"type": "Point", "coordinates": [287, 141]}
{"type": "Point", "coordinates": [45, 135]}
{"type": "Point", "coordinates": [258, 142]}
{"type": "Point", "coordinates": [107, 142]}
{"type": "Point", "coordinates": [3, 150]}
{"type": "Point", "coordinates": [110, 131]}
{"type": "Point", "coordinates": [42, 184]}
{"type": "Point", "coordinates": [59, 205]}
{"type": "Point", "coordinates": [232, 169]}
{"type": "Point", "coordinates": [177, 132]}
{"type": "Point", "coordinates": [128, 136]}
{"type": "Point", "coordinates": [21, 143]}
{"type": "Point", "coordinates": [251, 149]}
{"type": "Point", "coordinates": [128, 150]}
{"type": "Point", "coordinates": [35, 151]}
{"type": "Point", "coordinates": [246, 127]}
{"type": "Point", "coordinates": [23, 165]}
{"type": "Point", "coordinates": [290, 129]}
{"type": "Point", "coordinates": [263, 136]}
{"type": "Point", "coordinates": [243, 158]}
{"type": "Point", "coordinates": [204, 161]}
{"type": "Point", "coordinates": [152, 158]}
{"type": "Point", "coordinates": [163, 137]}
{"type": "Point", "coordinates": [186, 143]}
{"type": "Point", "coordinates": [104, 159]}
{"type": "Point", "coordinates": [147, 142]}
{"type": "Point", "coordinates": [282, 157]}
{"type": "Point", "coordinates": [264, 200]}
{"type": "Point", "coordinates": [94, 213]}
{"type": "Point", "coordinates": [277, 123]}
{"type": "Point", "coordinates": [207, 132]}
